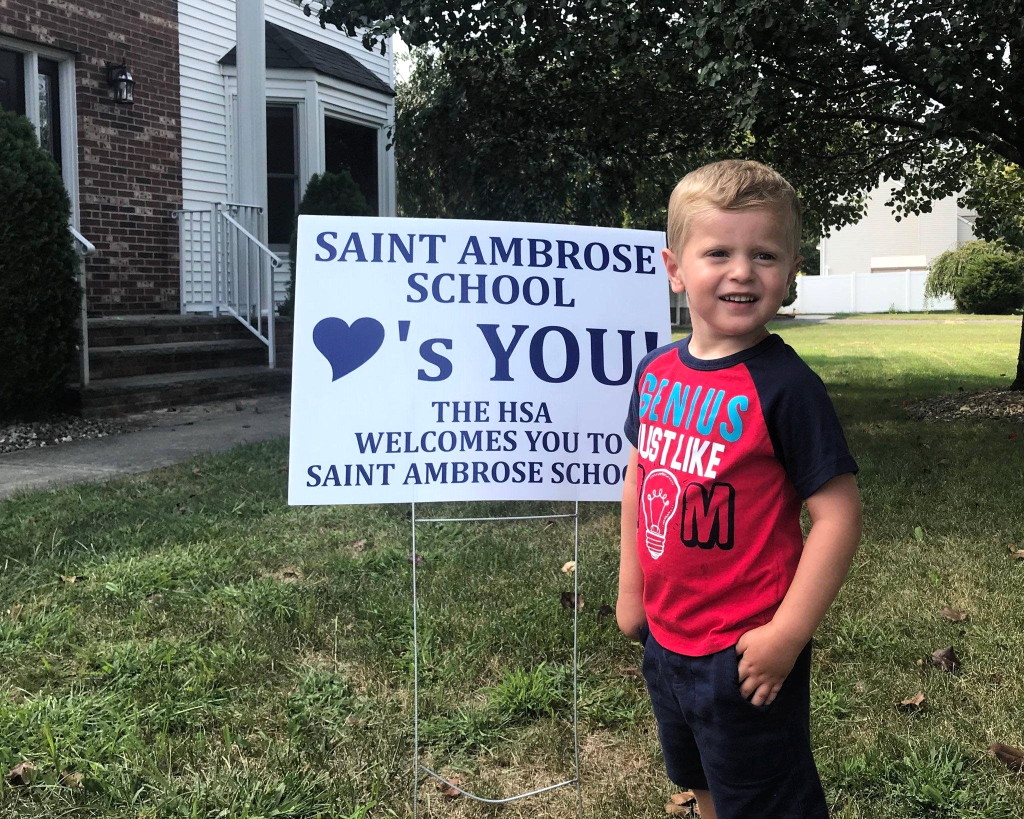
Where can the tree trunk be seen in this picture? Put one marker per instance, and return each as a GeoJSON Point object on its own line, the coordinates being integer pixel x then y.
{"type": "Point", "coordinates": [1018, 381]}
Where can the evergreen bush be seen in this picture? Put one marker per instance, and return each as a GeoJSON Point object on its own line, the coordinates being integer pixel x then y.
{"type": "Point", "coordinates": [981, 277]}
{"type": "Point", "coordinates": [39, 293]}
{"type": "Point", "coordinates": [327, 194]}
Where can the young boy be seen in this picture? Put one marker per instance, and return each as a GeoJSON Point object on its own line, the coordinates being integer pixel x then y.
{"type": "Point", "coordinates": [731, 434]}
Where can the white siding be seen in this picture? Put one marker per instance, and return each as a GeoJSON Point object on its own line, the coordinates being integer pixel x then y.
{"type": "Point", "coordinates": [206, 32]}
{"type": "Point", "coordinates": [878, 234]}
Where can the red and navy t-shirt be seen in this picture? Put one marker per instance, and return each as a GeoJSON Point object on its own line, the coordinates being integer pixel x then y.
{"type": "Point", "coordinates": [728, 450]}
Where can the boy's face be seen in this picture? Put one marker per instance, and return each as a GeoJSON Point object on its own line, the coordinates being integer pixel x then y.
{"type": "Point", "coordinates": [735, 267]}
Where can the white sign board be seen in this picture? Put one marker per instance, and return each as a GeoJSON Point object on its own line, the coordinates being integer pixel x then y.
{"type": "Point", "coordinates": [440, 360]}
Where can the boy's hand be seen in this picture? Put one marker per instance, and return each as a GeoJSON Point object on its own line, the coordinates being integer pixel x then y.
{"type": "Point", "coordinates": [767, 655]}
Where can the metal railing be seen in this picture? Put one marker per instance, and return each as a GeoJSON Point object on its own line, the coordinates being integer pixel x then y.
{"type": "Point", "coordinates": [85, 248]}
{"type": "Point", "coordinates": [227, 268]}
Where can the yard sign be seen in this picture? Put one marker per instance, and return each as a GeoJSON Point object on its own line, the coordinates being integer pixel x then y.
{"type": "Point", "coordinates": [444, 360]}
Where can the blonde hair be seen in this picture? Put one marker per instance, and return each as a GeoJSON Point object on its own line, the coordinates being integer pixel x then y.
{"type": "Point", "coordinates": [732, 184]}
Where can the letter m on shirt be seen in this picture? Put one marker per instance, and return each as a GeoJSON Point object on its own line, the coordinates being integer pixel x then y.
{"type": "Point", "coordinates": [708, 516]}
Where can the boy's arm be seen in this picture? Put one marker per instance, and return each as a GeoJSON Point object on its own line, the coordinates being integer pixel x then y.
{"type": "Point", "coordinates": [629, 608]}
{"type": "Point", "coordinates": [769, 652]}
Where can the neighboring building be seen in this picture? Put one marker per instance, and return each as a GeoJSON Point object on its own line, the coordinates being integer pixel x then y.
{"type": "Point", "coordinates": [880, 244]}
{"type": "Point", "coordinates": [129, 167]}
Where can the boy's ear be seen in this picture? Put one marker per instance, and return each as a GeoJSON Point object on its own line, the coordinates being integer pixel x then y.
{"type": "Point", "coordinates": [675, 278]}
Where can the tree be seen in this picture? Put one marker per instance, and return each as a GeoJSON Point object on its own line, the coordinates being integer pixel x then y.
{"type": "Point", "coordinates": [39, 293]}
{"type": "Point", "coordinates": [509, 148]}
{"type": "Point", "coordinates": [835, 93]}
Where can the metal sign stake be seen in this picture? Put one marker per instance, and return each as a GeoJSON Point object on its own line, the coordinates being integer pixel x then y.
{"type": "Point", "coordinates": [417, 767]}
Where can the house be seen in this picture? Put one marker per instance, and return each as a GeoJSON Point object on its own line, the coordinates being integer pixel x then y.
{"type": "Point", "coordinates": [879, 263]}
{"type": "Point", "coordinates": [149, 178]}
{"type": "Point", "coordinates": [880, 244]}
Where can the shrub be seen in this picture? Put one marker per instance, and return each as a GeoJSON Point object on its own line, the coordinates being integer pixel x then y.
{"type": "Point", "coordinates": [981, 277]}
{"type": "Point", "coordinates": [39, 293]}
{"type": "Point", "coordinates": [327, 194]}
{"type": "Point", "coordinates": [791, 295]}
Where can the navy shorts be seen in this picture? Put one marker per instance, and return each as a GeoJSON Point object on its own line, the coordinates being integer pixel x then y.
{"type": "Point", "coordinates": [755, 760]}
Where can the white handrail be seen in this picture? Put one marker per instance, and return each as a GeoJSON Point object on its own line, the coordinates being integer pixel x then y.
{"type": "Point", "coordinates": [84, 248]}
{"type": "Point", "coordinates": [275, 260]}
{"type": "Point", "coordinates": [237, 265]}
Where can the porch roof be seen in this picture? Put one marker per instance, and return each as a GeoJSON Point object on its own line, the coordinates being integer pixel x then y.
{"type": "Point", "coordinates": [287, 49]}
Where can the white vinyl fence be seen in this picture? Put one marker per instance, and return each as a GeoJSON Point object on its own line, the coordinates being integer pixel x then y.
{"type": "Point", "coordinates": [866, 293]}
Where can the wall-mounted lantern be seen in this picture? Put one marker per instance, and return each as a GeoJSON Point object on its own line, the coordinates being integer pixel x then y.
{"type": "Point", "coordinates": [120, 80]}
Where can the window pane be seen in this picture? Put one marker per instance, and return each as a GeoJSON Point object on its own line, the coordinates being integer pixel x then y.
{"type": "Point", "coordinates": [281, 139]}
{"type": "Point", "coordinates": [353, 148]}
{"type": "Point", "coordinates": [49, 107]}
{"type": "Point", "coordinates": [12, 82]}
{"type": "Point", "coordinates": [281, 195]}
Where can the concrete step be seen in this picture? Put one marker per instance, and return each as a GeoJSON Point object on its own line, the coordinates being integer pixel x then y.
{"type": "Point", "coordinates": [172, 357]}
{"type": "Point", "coordinates": [120, 396]}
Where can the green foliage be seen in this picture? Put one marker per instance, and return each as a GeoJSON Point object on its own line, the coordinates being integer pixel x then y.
{"type": "Point", "coordinates": [39, 294]}
{"type": "Point", "coordinates": [327, 194]}
{"type": "Point", "coordinates": [505, 147]}
{"type": "Point", "coordinates": [791, 295]}
{"type": "Point", "coordinates": [997, 194]}
{"type": "Point", "coordinates": [981, 277]}
{"type": "Point", "coordinates": [883, 91]}
{"type": "Point", "coordinates": [525, 694]}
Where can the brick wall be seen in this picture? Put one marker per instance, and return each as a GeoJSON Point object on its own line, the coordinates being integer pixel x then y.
{"type": "Point", "coordinates": [129, 156]}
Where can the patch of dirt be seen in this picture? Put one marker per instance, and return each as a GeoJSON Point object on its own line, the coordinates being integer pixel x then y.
{"type": "Point", "coordinates": [60, 429]}
{"type": "Point", "coordinates": [1002, 405]}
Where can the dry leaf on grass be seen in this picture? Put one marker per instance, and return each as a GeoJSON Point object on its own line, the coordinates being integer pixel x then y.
{"type": "Point", "coordinates": [447, 790]}
{"type": "Point", "coordinates": [912, 703]}
{"type": "Point", "coordinates": [569, 567]}
{"type": "Point", "coordinates": [682, 804]}
{"type": "Point", "coordinates": [945, 659]}
{"type": "Point", "coordinates": [14, 612]}
{"type": "Point", "coordinates": [954, 615]}
{"type": "Point", "coordinates": [358, 545]}
{"type": "Point", "coordinates": [630, 671]}
{"type": "Point", "coordinates": [286, 574]}
{"type": "Point", "coordinates": [604, 613]}
{"type": "Point", "coordinates": [72, 578]}
{"type": "Point", "coordinates": [20, 775]}
{"type": "Point", "coordinates": [1012, 758]}
{"type": "Point", "coordinates": [571, 601]}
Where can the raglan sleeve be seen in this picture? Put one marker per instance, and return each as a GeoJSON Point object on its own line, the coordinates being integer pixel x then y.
{"type": "Point", "coordinates": [806, 433]}
{"type": "Point", "coordinates": [632, 425]}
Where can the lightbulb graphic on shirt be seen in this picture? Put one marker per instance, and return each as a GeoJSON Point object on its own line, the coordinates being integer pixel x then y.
{"type": "Point", "coordinates": [660, 500]}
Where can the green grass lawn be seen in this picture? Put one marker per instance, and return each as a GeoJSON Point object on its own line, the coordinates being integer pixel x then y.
{"type": "Point", "coordinates": [220, 654]}
{"type": "Point", "coordinates": [936, 315]}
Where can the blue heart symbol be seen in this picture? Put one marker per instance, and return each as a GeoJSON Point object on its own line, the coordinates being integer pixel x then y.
{"type": "Point", "coordinates": [347, 347]}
